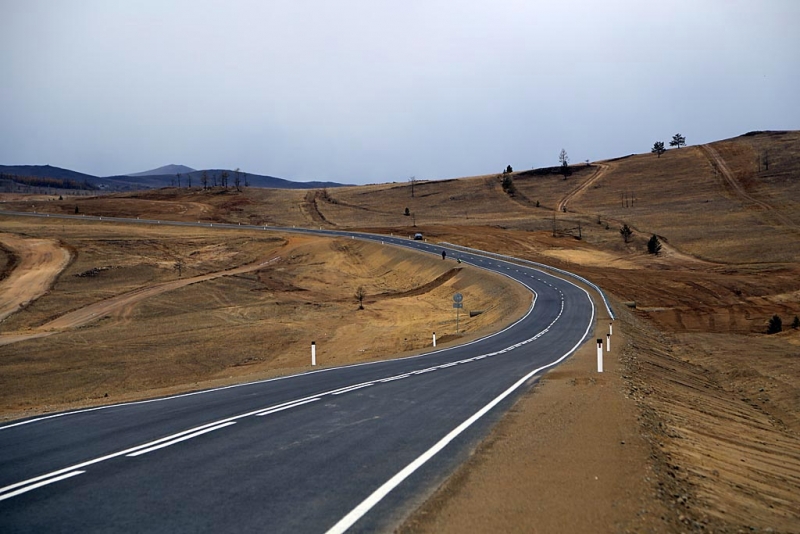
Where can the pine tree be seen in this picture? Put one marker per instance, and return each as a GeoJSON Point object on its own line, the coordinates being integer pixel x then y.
{"type": "Point", "coordinates": [654, 245]}
{"type": "Point", "coordinates": [678, 140]}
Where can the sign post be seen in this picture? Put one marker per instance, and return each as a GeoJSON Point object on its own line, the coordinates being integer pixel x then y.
{"type": "Point", "coordinates": [458, 304]}
{"type": "Point", "coordinates": [600, 355]}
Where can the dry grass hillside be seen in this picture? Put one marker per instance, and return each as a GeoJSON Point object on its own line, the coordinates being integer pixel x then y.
{"type": "Point", "coordinates": [141, 311]}
{"type": "Point", "coordinates": [717, 398]}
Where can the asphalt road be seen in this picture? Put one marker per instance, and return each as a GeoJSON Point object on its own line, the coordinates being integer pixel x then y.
{"type": "Point", "coordinates": [352, 448]}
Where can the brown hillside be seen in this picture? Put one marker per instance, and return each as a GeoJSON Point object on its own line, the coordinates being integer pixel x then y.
{"type": "Point", "coordinates": [716, 398]}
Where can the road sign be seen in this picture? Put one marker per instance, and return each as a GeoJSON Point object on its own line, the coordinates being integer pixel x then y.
{"type": "Point", "coordinates": [457, 304]}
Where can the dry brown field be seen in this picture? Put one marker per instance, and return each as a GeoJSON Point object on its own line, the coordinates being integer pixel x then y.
{"type": "Point", "coordinates": [704, 400]}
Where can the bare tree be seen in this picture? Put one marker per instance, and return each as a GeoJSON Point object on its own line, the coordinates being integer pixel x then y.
{"type": "Point", "coordinates": [626, 233]}
{"type": "Point", "coordinates": [563, 159]}
{"type": "Point", "coordinates": [413, 181]}
{"type": "Point", "coordinates": [204, 179]}
{"type": "Point", "coordinates": [360, 294]}
{"type": "Point", "coordinates": [189, 181]}
{"type": "Point", "coordinates": [224, 177]}
{"type": "Point", "coordinates": [178, 176]}
{"type": "Point", "coordinates": [246, 183]}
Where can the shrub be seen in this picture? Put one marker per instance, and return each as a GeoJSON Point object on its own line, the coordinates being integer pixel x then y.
{"type": "Point", "coordinates": [508, 185]}
{"type": "Point", "coordinates": [775, 325]}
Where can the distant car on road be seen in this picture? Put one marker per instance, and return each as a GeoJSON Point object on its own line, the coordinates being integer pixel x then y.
{"type": "Point", "coordinates": [418, 236]}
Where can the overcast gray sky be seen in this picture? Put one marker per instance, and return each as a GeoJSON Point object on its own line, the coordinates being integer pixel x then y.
{"type": "Point", "coordinates": [364, 91]}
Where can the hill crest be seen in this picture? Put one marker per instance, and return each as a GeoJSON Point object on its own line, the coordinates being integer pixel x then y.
{"type": "Point", "coordinates": [172, 168]}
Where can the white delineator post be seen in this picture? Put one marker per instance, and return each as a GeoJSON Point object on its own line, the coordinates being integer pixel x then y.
{"type": "Point", "coordinates": [434, 339]}
{"type": "Point", "coordinates": [599, 355]}
{"type": "Point", "coordinates": [611, 329]}
{"type": "Point", "coordinates": [313, 353]}
{"type": "Point", "coordinates": [608, 342]}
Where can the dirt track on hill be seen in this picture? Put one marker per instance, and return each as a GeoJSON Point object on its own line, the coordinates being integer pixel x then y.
{"type": "Point", "coordinates": [98, 310]}
{"type": "Point", "coordinates": [562, 204]}
{"type": "Point", "coordinates": [737, 189]}
{"type": "Point", "coordinates": [39, 262]}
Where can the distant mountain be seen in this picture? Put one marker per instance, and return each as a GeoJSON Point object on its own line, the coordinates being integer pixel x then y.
{"type": "Point", "coordinates": [147, 180]}
{"type": "Point", "coordinates": [46, 171]}
{"type": "Point", "coordinates": [166, 169]}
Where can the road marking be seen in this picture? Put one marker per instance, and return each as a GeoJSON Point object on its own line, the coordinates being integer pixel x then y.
{"type": "Point", "coordinates": [202, 429]}
{"type": "Point", "coordinates": [353, 388]}
{"type": "Point", "coordinates": [183, 438]}
{"type": "Point", "coordinates": [286, 406]}
{"type": "Point", "coordinates": [367, 504]}
{"type": "Point", "coordinates": [108, 456]}
{"type": "Point", "coordinates": [393, 378]}
{"type": "Point", "coordinates": [39, 484]}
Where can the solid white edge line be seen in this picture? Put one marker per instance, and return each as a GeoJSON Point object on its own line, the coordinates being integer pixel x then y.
{"type": "Point", "coordinates": [40, 484]}
{"type": "Point", "coordinates": [178, 440]}
{"type": "Point", "coordinates": [367, 504]}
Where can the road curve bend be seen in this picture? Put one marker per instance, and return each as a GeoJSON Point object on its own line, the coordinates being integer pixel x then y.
{"type": "Point", "coordinates": [353, 448]}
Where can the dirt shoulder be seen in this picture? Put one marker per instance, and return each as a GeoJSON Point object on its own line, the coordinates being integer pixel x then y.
{"type": "Point", "coordinates": [680, 433]}
{"type": "Point", "coordinates": [568, 457]}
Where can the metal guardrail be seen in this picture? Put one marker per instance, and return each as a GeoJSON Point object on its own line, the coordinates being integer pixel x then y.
{"type": "Point", "coordinates": [541, 266]}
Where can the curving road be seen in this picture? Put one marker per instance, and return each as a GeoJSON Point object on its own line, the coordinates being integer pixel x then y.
{"type": "Point", "coordinates": [352, 448]}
